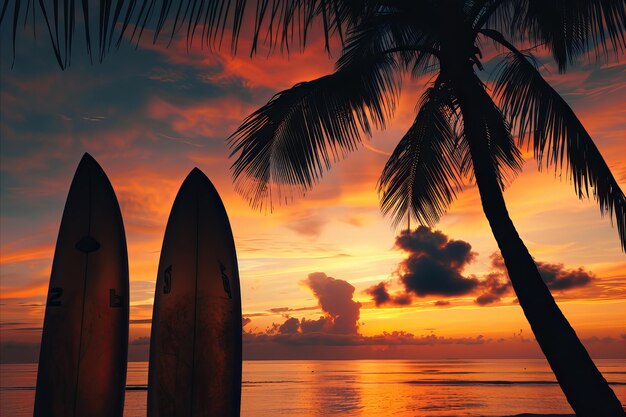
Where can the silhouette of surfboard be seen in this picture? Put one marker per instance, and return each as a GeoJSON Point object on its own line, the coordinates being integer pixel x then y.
{"type": "Point", "coordinates": [84, 345]}
{"type": "Point", "coordinates": [195, 347]}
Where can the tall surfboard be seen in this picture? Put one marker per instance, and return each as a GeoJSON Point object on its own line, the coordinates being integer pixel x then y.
{"type": "Point", "coordinates": [195, 347]}
{"type": "Point", "coordinates": [84, 345]}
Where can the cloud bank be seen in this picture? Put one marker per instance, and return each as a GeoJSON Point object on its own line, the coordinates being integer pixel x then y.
{"type": "Point", "coordinates": [435, 265]}
{"type": "Point", "coordinates": [339, 325]}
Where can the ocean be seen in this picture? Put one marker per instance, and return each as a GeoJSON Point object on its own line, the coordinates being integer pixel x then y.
{"type": "Point", "coordinates": [398, 388]}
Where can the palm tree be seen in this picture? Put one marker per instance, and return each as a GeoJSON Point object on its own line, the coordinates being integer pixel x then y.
{"type": "Point", "coordinates": [461, 130]}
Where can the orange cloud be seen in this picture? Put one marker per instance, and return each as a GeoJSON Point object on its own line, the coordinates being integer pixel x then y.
{"type": "Point", "coordinates": [30, 290]}
{"type": "Point", "coordinates": [30, 253]}
{"type": "Point", "coordinates": [275, 72]}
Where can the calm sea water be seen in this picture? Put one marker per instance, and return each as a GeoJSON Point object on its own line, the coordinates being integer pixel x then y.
{"type": "Point", "coordinates": [361, 388]}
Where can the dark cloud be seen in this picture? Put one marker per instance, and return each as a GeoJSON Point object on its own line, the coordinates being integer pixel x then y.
{"type": "Point", "coordinates": [486, 298]}
{"type": "Point", "coordinates": [279, 310]}
{"type": "Point", "coordinates": [290, 326]}
{"type": "Point", "coordinates": [442, 303]}
{"type": "Point", "coordinates": [305, 308]}
{"type": "Point", "coordinates": [558, 278]}
{"type": "Point", "coordinates": [435, 263]}
{"type": "Point", "coordinates": [402, 299]}
{"type": "Point", "coordinates": [423, 277]}
{"type": "Point", "coordinates": [380, 295]}
{"type": "Point", "coordinates": [434, 266]}
{"type": "Point", "coordinates": [335, 299]}
{"type": "Point", "coordinates": [497, 262]}
{"type": "Point", "coordinates": [314, 326]}
{"type": "Point", "coordinates": [436, 245]}
{"type": "Point", "coordinates": [494, 286]}
{"type": "Point", "coordinates": [257, 315]}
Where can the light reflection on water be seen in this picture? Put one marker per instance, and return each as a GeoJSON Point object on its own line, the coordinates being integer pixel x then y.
{"type": "Point", "coordinates": [362, 388]}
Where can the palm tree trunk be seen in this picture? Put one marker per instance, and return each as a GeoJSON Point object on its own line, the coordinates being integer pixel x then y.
{"type": "Point", "coordinates": [584, 386]}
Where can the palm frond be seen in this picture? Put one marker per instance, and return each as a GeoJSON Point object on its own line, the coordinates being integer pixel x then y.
{"type": "Point", "coordinates": [390, 30]}
{"type": "Point", "coordinates": [558, 138]}
{"type": "Point", "coordinates": [422, 175]}
{"type": "Point", "coordinates": [568, 28]}
{"type": "Point", "coordinates": [480, 11]}
{"type": "Point", "coordinates": [409, 35]}
{"type": "Point", "coordinates": [292, 140]}
{"type": "Point", "coordinates": [23, 10]}
{"type": "Point", "coordinates": [280, 24]}
{"type": "Point", "coordinates": [506, 158]}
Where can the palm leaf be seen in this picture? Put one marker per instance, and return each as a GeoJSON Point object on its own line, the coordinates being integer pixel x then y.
{"type": "Point", "coordinates": [558, 137]}
{"type": "Point", "coordinates": [410, 35]}
{"type": "Point", "coordinates": [274, 22]}
{"type": "Point", "coordinates": [568, 28]}
{"type": "Point", "coordinates": [25, 9]}
{"type": "Point", "coordinates": [480, 11]}
{"type": "Point", "coordinates": [292, 140]}
{"type": "Point", "coordinates": [421, 176]}
{"type": "Point", "coordinates": [506, 158]}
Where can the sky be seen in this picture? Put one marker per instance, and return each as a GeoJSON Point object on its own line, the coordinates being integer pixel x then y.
{"type": "Point", "coordinates": [325, 276]}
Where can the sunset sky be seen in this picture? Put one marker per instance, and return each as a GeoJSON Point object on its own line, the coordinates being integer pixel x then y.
{"type": "Point", "coordinates": [325, 276]}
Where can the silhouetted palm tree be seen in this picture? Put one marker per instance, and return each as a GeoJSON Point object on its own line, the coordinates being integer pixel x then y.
{"type": "Point", "coordinates": [461, 130]}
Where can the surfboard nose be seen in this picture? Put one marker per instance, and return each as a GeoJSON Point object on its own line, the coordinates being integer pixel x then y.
{"type": "Point", "coordinates": [198, 186]}
{"type": "Point", "coordinates": [198, 180]}
{"type": "Point", "coordinates": [195, 175]}
{"type": "Point", "coordinates": [87, 159]}
{"type": "Point", "coordinates": [89, 164]}
{"type": "Point", "coordinates": [92, 174]}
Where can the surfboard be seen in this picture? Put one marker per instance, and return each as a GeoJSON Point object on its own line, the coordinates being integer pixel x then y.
{"type": "Point", "coordinates": [195, 346]}
{"type": "Point", "coordinates": [84, 344]}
